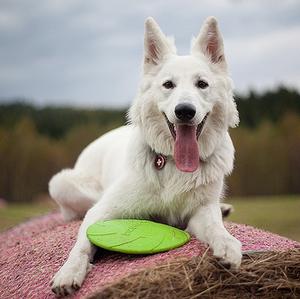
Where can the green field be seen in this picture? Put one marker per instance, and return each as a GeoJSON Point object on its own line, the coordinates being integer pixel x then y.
{"type": "Point", "coordinates": [15, 213]}
{"type": "Point", "coordinates": [277, 214]}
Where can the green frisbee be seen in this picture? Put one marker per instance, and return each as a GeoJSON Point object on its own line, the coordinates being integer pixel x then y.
{"type": "Point", "coordinates": [135, 236]}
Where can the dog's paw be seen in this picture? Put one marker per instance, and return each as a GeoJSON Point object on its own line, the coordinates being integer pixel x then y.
{"type": "Point", "coordinates": [228, 250]}
{"type": "Point", "coordinates": [70, 276]}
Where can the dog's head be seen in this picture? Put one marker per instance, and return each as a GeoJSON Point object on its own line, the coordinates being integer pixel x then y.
{"type": "Point", "coordinates": [185, 103]}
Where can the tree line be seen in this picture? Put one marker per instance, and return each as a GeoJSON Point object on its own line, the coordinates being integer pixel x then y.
{"type": "Point", "coordinates": [37, 142]}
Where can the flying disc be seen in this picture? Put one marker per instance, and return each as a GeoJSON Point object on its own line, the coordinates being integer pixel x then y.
{"type": "Point", "coordinates": [135, 236]}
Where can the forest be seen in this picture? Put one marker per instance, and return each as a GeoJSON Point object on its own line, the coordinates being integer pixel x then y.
{"type": "Point", "coordinates": [36, 142]}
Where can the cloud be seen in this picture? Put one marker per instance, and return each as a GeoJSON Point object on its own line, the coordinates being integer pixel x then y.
{"type": "Point", "coordinates": [89, 53]}
{"type": "Point", "coordinates": [266, 60]}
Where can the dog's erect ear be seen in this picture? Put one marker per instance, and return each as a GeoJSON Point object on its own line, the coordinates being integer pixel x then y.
{"type": "Point", "coordinates": [210, 42]}
{"type": "Point", "coordinates": [157, 46]}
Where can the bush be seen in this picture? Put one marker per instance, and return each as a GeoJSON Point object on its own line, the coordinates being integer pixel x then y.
{"type": "Point", "coordinates": [267, 157]}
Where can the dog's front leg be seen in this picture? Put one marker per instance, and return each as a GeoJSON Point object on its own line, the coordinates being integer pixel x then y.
{"type": "Point", "coordinates": [71, 275]}
{"type": "Point", "coordinates": [113, 204]}
{"type": "Point", "coordinates": [207, 225]}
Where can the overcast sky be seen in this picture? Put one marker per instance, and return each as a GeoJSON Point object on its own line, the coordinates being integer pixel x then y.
{"type": "Point", "coordinates": [88, 53]}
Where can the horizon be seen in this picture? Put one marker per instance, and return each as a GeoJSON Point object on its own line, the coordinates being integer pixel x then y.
{"type": "Point", "coordinates": [33, 103]}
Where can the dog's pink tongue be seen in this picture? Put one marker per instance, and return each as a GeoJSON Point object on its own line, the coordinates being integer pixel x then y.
{"type": "Point", "coordinates": [186, 153]}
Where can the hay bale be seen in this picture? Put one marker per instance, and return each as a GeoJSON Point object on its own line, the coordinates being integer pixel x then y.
{"type": "Point", "coordinates": [31, 253]}
{"type": "Point", "coordinates": [265, 275]}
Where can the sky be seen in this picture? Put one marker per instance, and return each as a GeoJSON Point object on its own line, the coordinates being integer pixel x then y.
{"type": "Point", "coordinates": [88, 52]}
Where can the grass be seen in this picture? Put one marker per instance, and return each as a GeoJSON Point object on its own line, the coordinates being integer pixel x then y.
{"type": "Point", "coordinates": [16, 213]}
{"type": "Point", "coordinates": [279, 214]}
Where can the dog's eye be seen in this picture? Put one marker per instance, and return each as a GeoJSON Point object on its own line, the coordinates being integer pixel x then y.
{"type": "Point", "coordinates": [168, 84]}
{"type": "Point", "coordinates": [201, 84]}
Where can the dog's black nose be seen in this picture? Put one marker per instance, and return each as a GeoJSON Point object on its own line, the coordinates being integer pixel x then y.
{"type": "Point", "coordinates": [185, 111]}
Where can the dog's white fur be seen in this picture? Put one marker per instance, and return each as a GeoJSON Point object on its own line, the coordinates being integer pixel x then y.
{"type": "Point", "coordinates": [115, 176]}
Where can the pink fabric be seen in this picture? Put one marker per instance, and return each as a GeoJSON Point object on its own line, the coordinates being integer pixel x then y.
{"type": "Point", "coordinates": [32, 252]}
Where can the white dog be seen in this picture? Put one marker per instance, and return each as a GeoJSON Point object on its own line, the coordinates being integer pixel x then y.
{"type": "Point", "coordinates": [169, 163]}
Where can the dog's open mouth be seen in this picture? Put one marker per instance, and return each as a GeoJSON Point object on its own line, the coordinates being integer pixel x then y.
{"type": "Point", "coordinates": [186, 150]}
{"type": "Point", "coordinates": [172, 127]}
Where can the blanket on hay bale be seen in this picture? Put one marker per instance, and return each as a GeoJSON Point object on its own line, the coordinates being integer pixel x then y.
{"type": "Point", "coordinates": [32, 252]}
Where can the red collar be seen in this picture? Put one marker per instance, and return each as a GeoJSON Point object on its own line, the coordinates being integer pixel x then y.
{"type": "Point", "coordinates": [160, 161]}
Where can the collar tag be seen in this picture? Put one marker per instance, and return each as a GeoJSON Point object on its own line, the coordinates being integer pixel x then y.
{"type": "Point", "coordinates": [160, 161]}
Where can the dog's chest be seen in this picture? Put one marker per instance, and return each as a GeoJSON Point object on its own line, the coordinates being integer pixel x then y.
{"type": "Point", "coordinates": [173, 182]}
{"type": "Point", "coordinates": [176, 195]}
